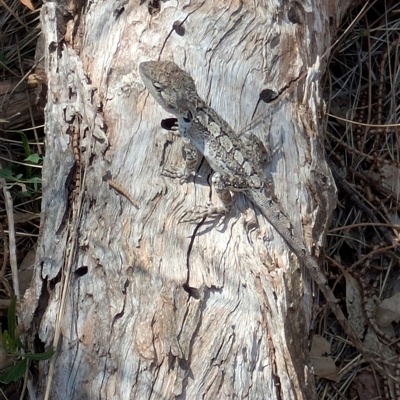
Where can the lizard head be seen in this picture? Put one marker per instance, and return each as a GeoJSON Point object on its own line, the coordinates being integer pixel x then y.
{"type": "Point", "coordinates": [171, 87]}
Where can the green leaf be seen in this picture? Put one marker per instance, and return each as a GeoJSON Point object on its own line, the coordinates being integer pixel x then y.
{"type": "Point", "coordinates": [34, 179]}
{"type": "Point", "coordinates": [9, 176]}
{"type": "Point", "coordinates": [12, 318]}
{"type": "Point", "coordinates": [8, 343]}
{"type": "Point", "coordinates": [6, 174]}
{"type": "Point", "coordinates": [33, 158]}
{"type": "Point", "coordinates": [15, 372]}
{"type": "Point", "coordinates": [19, 345]}
{"type": "Point", "coordinates": [39, 356]}
{"type": "Point", "coordinates": [25, 142]}
{"type": "Point", "coordinates": [27, 149]}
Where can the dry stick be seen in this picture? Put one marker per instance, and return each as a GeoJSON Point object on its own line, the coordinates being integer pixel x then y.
{"type": "Point", "coordinates": [378, 331]}
{"type": "Point", "coordinates": [355, 197]}
{"type": "Point", "coordinates": [11, 234]}
{"type": "Point", "coordinates": [386, 192]}
{"type": "Point", "coordinates": [6, 253]}
{"type": "Point", "coordinates": [122, 191]}
{"type": "Point", "coordinates": [14, 14]}
{"type": "Point", "coordinates": [39, 150]}
{"type": "Point", "coordinates": [358, 152]}
{"type": "Point", "coordinates": [69, 258]}
{"type": "Point", "coordinates": [65, 278]}
{"type": "Point", "coordinates": [364, 224]}
{"type": "Point", "coordinates": [26, 376]}
{"type": "Point", "coordinates": [349, 121]}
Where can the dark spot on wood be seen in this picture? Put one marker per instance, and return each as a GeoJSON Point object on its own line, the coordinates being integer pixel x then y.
{"type": "Point", "coordinates": [178, 27]}
{"type": "Point", "coordinates": [118, 13]}
{"type": "Point", "coordinates": [267, 95]}
{"type": "Point", "coordinates": [193, 292]}
{"type": "Point", "coordinates": [52, 47]}
{"type": "Point", "coordinates": [100, 106]}
{"type": "Point", "coordinates": [169, 123]}
{"type": "Point", "coordinates": [126, 285]}
{"type": "Point", "coordinates": [275, 41]}
{"type": "Point", "coordinates": [107, 176]}
{"type": "Point", "coordinates": [295, 14]}
{"type": "Point", "coordinates": [82, 271]}
{"type": "Point", "coordinates": [39, 345]}
{"type": "Point", "coordinates": [275, 59]}
{"type": "Point", "coordinates": [154, 7]}
{"type": "Point", "coordinates": [118, 316]}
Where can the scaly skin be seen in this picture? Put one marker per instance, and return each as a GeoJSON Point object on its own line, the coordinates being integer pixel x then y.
{"type": "Point", "coordinates": [237, 162]}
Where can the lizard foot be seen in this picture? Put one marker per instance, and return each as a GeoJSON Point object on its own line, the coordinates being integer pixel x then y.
{"type": "Point", "coordinates": [183, 174]}
{"type": "Point", "coordinates": [200, 212]}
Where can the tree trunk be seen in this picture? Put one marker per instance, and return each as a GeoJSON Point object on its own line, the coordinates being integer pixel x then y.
{"type": "Point", "coordinates": [146, 307]}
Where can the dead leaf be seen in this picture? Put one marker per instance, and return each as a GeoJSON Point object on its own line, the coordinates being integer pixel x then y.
{"type": "Point", "coordinates": [25, 271]}
{"type": "Point", "coordinates": [390, 177]}
{"type": "Point", "coordinates": [319, 346]}
{"type": "Point", "coordinates": [324, 367]}
{"type": "Point", "coordinates": [366, 386]}
{"type": "Point", "coordinates": [28, 4]}
{"type": "Point", "coordinates": [388, 311]}
{"type": "Point", "coordinates": [354, 305]}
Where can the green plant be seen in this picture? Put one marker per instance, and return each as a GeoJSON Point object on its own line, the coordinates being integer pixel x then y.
{"type": "Point", "coordinates": [26, 174]}
{"type": "Point", "coordinates": [14, 347]}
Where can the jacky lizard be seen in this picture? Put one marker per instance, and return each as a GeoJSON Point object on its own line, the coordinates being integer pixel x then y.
{"type": "Point", "coordinates": [236, 162]}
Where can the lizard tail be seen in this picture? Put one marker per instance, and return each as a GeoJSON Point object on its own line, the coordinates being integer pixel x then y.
{"type": "Point", "coordinates": [271, 210]}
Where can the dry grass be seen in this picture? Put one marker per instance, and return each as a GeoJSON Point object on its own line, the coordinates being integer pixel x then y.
{"type": "Point", "coordinates": [362, 89]}
{"type": "Point", "coordinates": [21, 151]}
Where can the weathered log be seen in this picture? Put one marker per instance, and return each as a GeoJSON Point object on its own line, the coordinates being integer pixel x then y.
{"type": "Point", "coordinates": [153, 308]}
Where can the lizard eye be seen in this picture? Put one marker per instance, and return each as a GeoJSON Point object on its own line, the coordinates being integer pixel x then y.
{"type": "Point", "coordinates": [157, 86]}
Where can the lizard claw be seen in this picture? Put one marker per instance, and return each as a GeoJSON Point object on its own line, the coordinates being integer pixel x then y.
{"type": "Point", "coordinates": [177, 173]}
{"type": "Point", "coordinates": [202, 212]}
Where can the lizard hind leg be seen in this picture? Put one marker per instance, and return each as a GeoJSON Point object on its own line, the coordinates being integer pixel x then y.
{"type": "Point", "coordinates": [210, 211]}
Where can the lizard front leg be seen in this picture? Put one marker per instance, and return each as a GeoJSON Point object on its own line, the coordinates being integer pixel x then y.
{"type": "Point", "coordinates": [223, 193]}
{"type": "Point", "coordinates": [191, 157]}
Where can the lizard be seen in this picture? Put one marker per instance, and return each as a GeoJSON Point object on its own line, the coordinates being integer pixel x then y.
{"type": "Point", "coordinates": [236, 162]}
